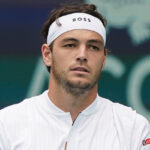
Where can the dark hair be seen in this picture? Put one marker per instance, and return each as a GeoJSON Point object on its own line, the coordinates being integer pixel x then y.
{"type": "Point", "coordinates": [68, 9]}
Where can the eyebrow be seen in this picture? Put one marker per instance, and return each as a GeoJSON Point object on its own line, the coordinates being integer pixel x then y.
{"type": "Point", "coordinates": [96, 41]}
{"type": "Point", "coordinates": [89, 41]}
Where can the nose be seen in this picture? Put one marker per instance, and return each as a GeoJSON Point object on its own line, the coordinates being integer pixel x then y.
{"type": "Point", "coordinates": [82, 54]}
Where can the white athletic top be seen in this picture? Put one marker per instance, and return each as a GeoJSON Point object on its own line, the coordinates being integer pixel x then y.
{"type": "Point", "coordinates": [37, 124]}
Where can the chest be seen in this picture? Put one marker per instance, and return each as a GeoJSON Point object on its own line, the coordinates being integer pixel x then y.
{"type": "Point", "coordinates": [90, 133]}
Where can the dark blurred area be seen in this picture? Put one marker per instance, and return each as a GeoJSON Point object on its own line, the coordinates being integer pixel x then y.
{"type": "Point", "coordinates": [21, 23]}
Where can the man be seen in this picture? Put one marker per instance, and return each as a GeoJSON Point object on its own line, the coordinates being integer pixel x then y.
{"type": "Point", "coordinates": [70, 115]}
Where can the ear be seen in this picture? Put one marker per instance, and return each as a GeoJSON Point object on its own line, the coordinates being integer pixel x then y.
{"type": "Point", "coordinates": [47, 55]}
{"type": "Point", "coordinates": [104, 61]}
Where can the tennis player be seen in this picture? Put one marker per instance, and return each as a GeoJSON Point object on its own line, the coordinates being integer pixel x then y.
{"type": "Point", "coordinates": [70, 115]}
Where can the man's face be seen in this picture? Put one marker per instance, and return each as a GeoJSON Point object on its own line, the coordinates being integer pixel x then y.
{"type": "Point", "coordinates": [77, 60]}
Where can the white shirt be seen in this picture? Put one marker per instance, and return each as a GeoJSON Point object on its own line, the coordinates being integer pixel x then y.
{"type": "Point", "coordinates": [37, 124]}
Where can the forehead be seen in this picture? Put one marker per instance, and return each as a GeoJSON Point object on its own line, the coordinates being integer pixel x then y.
{"type": "Point", "coordinates": [80, 35]}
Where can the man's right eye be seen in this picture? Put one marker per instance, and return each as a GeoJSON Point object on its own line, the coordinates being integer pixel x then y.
{"type": "Point", "coordinates": [69, 45]}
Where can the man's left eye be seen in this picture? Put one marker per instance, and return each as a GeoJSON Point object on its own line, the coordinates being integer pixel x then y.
{"type": "Point", "coordinates": [94, 48]}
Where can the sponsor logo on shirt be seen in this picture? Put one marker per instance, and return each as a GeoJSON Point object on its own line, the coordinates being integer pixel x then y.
{"type": "Point", "coordinates": [146, 142]}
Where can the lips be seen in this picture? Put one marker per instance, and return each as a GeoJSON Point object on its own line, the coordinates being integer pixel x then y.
{"type": "Point", "coordinates": [82, 69]}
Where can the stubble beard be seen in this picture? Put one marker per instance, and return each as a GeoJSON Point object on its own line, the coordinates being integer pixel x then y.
{"type": "Point", "coordinates": [75, 89]}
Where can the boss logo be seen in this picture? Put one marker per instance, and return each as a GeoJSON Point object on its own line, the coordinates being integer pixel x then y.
{"type": "Point", "coordinates": [81, 19]}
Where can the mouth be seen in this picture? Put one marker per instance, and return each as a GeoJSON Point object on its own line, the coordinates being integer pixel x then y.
{"type": "Point", "coordinates": [80, 69]}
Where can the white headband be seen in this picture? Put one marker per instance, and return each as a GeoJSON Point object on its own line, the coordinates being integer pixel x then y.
{"type": "Point", "coordinates": [75, 21]}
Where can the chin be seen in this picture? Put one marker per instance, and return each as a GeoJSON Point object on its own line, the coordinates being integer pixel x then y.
{"type": "Point", "coordinates": [79, 84]}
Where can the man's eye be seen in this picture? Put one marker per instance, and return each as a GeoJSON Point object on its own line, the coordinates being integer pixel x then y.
{"type": "Point", "coordinates": [69, 45]}
{"type": "Point", "coordinates": [92, 47]}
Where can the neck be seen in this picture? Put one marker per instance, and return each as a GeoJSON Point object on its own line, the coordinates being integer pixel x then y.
{"type": "Point", "coordinates": [69, 102]}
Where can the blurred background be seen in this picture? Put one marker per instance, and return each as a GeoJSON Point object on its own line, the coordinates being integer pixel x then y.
{"type": "Point", "coordinates": [126, 77]}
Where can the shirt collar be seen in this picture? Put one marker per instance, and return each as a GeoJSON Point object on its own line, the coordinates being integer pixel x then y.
{"type": "Point", "coordinates": [52, 108]}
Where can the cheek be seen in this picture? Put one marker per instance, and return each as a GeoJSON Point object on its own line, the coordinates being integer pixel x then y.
{"type": "Point", "coordinates": [99, 64]}
{"type": "Point", "coordinates": [60, 62]}
{"type": "Point", "coordinates": [98, 60]}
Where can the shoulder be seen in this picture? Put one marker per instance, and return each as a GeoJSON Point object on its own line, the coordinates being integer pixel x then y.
{"type": "Point", "coordinates": [128, 119]}
{"type": "Point", "coordinates": [123, 113]}
{"type": "Point", "coordinates": [19, 111]}
{"type": "Point", "coordinates": [128, 115]}
{"type": "Point", "coordinates": [17, 120]}
{"type": "Point", "coordinates": [125, 118]}
{"type": "Point", "coordinates": [130, 125]}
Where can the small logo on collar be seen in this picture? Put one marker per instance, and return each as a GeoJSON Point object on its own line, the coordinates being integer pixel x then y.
{"type": "Point", "coordinates": [146, 142]}
{"type": "Point", "coordinates": [81, 19]}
